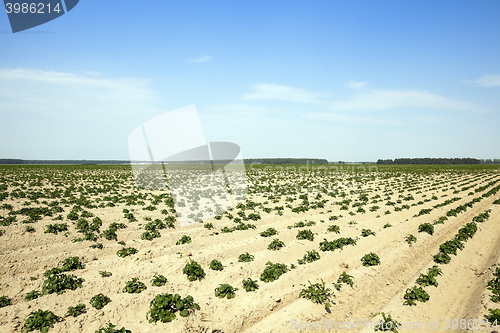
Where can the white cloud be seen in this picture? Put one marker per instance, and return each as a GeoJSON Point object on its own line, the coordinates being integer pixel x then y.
{"type": "Point", "coordinates": [73, 96]}
{"type": "Point", "coordinates": [347, 119]}
{"type": "Point", "coordinates": [285, 93]}
{"type": "Point", "coordinates": [357, 84]}
{"type": "Point", "coordinates": [377, 99]}
{"type": "Point", "coordinates": [489, 80]}
{"type": "Point", "coordinates": [200, 59]}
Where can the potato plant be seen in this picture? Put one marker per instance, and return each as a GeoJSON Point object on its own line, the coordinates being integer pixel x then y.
{"type": "Point", "coordinates": [272, 271]}
{"type": "Point", "coordinates": [158, 280]}
{"type": "Point", "coordinates": [99, 301]}
{"type": "Point", "coordinates": [111, 328]}
{"type": "Point", "coordinates": [216, 265]}
{"type": "Point", "coordinates": [317, 293]}
{"type": "Point", "coordinates": [250, 285]}
{"type": "Point", "coordinates": [225, 290]}
{"type": "Point", "coordinates": [76, 310]}
{"type": "Point", "coordinates": [245, 257]}
{"type": "Point", "coordinates": [193, 271]}
{"type": "Point", "coordinates": [370, 259]}
{"type": "Point", "coordinates": [134, 286]}
{"type": "Point", "coordinates": [40, 320]}
{"type": "Point", "coordinates": [164, 306]}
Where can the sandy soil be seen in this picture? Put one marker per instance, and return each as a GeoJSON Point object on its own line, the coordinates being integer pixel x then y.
{"type": "Point", "coordinates": [275, 306]}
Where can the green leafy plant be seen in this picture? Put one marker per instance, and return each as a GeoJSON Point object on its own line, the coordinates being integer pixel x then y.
{"type": "Point", "coordinates": [184, 240]}
{"type": "Point", "coordinates": [272, 272]}
{"type": "Point", "coordinates": [71, 264]}
{"type": "Point", "coordinates": [494, 315]}
{"type": "Point", "coordinates": [208, 226]}
{"type": "Point", "coordinates": [367, 232]}
{"type": "Point", "coordinates": [5, 301]}
{"type": "Point", "coordinates": [29, 229]}
{"type": "Point", "coordinates": [387, 324]}
{"type": "Point", "coordinates": [334, 228]}
{"type": "Point", "coordinates": [34, 294]}
{"type": "Point", "coordinates": [451, 246]}
{"type": "Point", "coordinates": [216, 265]}
{"type": "Point", "coordinates": [336, 244]}
{"type": "Point", "coordinates": [245, 257]}
{"type": "Point", "coordinates": [427, 280]}
{"type": "Point", "coordinates": [442, 258]}
{"type": "Point", "coordinates": [58, 283]}
{"type": "Point", "coordinates": [105, 274]}
{"type": "Point", "coordinates": [126, 251]}
{"type": "Point", "coordinates": [163, 307]}
{"type": "Point", "coordinates": [110, 328]}
{"type": "Point", "coordinates": [415, 294]}
{"type": "Point", "coordinates": [387, 225]}
{"type": "Point", "coordinates": [426, 227]}
{"type": "Point", "coordinates": [194, 271]}
{"type": "Point", "coordinates": [250, 285]}
{"type": "Point", "coordinates": [40, 320]}
{"type": "Point", "coordinates": [310, 256]}
{"type": "Point", "coordinates": [134, 286]}
{"type": "Point", "coordinates": [269, 232]}
{"type": "Point", "coordinates": [158, 280]}
{"type": "Point", "coordinates": [305, 234]}
{"type": "Point", "coordinates": [56, 228]}
{"type": "Point", "coordinates": [96, 246]}
{"type": "Point", "coordinates": [370, 259]}
{"type": "Point", "coordinates": [99, 301]}
{"type": "Point", "coordinates": [76, 310]}
{"type": "Point", "coordinates": [317, 293]}
{"type": "Point", "coordinates": [344, 278]}
{"type": "Point", "coordinates": [410, 239]}
{"type": "Point", "coordinates": [275, 245]}
{"type": "Point", "coordinates": [225, 290]}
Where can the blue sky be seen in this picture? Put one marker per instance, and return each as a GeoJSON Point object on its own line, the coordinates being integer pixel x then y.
{"type": "Point", "coordinates": [341, 80]}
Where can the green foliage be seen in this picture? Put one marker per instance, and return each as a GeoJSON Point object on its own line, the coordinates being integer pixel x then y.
{"type": "Point", "coordinates": [158, 280]}
{"type": "Point", "coordinates": [105, 273]}
{"type": "Point", "coordinates": [75, 311]}
{"type": "Point", "coordinates": [434, 271]}
{"type": "Point", "coordinates": [305, 234]}
{"type": "Point", "coordinates": [370, 259]}
{"type": "Point", "coordinates": [442, 258]}
{"type": "Point", "coordinates": [269, 232]}
{"type": "Point", "coordinates": [134, 286]}
{"type": "Point", "coordinates": [494, 315]}
{"type": "Point", "coordinates": [209, 226]}
{"type": "Point", "coordinates": [427, 280]}
{"type": "Point", "coordinates": [272, 272]}
{"type": "Point", "coordinates": [216, 265]}
{"type": "Point", "coordinates": [426, 227]}
{"type": "Point", "coordinates": [367, 232]}
{"type": "Point", "coordinates": [71, 264]}
{"type": "Point", "coordinates": [344, 278]}
{"type": "Point", "coordinates": [109, 234]}
{"type": "Point", "coordinates": [309, 257]}
{"type": "Point", "coordinates": [387, 324]}
{"type": "Point", "coordinates": [29, 229]}
{"type": "Point", "coordinates": [334, 228]}
{"type": "Point", "coordinates": [34, 294]}
{"type": "Point", "coordinates": [126, 251]}
{"type": "Point", "coordinates": [410, 239]}
{"type": "Point", "coordinates": [275, 245]}
{"type": "Point", "coordinates": [56, 228]}
{"type": "Point", "coordinates": [317, 293]}
{"type": "Point", "coordinates": [225, 290]}
{"type": "Point", "coordinates": [415, 294]}
{"type": "Point", "coordinates": [110, 328]}
{"type": "Point", "coordinates": [184, 240]}
{"type": "Point", "coordinates": [58, 283]}
{"type": "Point", "coordinates": [96, 246]}
{"type": "Point", "coordinates": [99, 301]}
{"type": "Point", "coordinates": [194, 271]}
{"type": "Point", "coordinates": [245, 257]}
{"type": "Point", "coordinates": [5, 301]}
{"type": "Point", "coordinates": [336, 244]}
{"type": "Point", "coordinates": [451, 246]}
{"type": "Point", "coordinates": [40, 320]}
{"type": "Point", "coordinates": [466, 232]}
{"type": "Point", "coordinates": [250, 285]}
{"type": "Point", "coordinates": [150, 235]}
{"type": "Point", "coordinates": [163, 307]}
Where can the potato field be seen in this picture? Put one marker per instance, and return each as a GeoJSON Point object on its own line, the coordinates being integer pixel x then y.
{"type": "Point", "coordinates": [83, 249]}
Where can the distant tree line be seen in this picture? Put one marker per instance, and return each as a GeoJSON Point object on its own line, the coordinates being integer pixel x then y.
{"type": "Point", "coordinates": [432, 161]}
{"type": "Point", "coordinates": [247, 161]}
{"type": "Point", "coordinates": [286, 161]}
